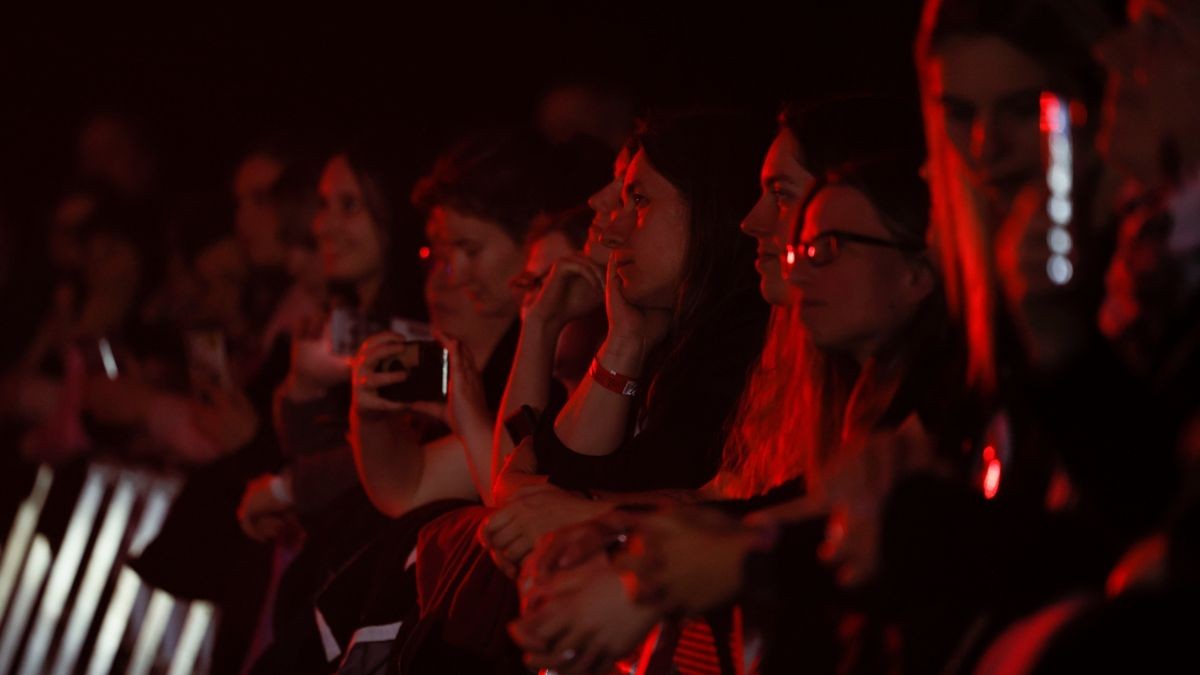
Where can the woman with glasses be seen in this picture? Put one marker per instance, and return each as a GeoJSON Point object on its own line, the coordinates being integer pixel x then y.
{"type": "Point", "coordinates": [868, 369]}
{"type": "Point", "coordinates": [812, 138]}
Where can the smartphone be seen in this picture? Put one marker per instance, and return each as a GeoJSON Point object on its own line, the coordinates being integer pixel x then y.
{"type": "Point", "coordinates": [428, 366]}
{"type": "Point", "coordinates": [1059, 162]}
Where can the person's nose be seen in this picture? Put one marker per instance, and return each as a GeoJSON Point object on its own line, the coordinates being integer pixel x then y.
{"type": "Point", "coordinates": [984, 137]}
{"type": "Point", "coordinates": [760, 222]}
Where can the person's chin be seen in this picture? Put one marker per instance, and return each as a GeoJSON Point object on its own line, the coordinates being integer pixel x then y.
{"type": "Point", "coordinates": [495, 310]}
{"type": "Point", "coordinates": [778, 294]}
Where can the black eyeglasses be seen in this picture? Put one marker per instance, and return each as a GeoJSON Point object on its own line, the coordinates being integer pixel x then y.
{"type": "Point", "coordinates": [825, 247]}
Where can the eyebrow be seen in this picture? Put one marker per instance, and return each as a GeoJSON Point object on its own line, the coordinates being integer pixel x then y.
{"type": "Point", "coordinates": [952, 100]}
{"type": "Point", "coordinates": [777, 178]}
{"type": "Point", "coordinates": [1016, 96]}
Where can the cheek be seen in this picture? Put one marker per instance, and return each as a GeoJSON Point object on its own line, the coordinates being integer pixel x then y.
{"type": "Point", "coordinates": [883, 303]}
{"type": "Point", "coordinates": [959, 134]}
{"type": "Point", "coordinates": [1026, 141]}
{"type": "Point", "coordinates": [784, 217]}
{"type": "Point", "coordinates": [366, 240]}
{"type": "Point", "coordinates": [671, 242]}
{"type": "Point", "coordinates": [501, 264]}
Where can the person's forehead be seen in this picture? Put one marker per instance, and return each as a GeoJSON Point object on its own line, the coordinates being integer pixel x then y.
{"type": "Point", "coordinates": [841, 207]}
{"type": "Point", "coordinates": [984, 68]}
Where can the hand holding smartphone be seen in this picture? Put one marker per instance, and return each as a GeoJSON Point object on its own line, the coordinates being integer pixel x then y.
{"type": "Point", "coordinates": [427, 365]}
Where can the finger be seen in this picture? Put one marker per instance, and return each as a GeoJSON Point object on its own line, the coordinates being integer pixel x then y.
{"type": "Point", "coordinates": [595, 275]}
{"type": "Point", "coordinates": [542, 629]}
{"type": "Point", "coordinates": [588, 659]}
{"type": "Point", "coordinates": [364, 400]}
{"type": "Point", "coordinates": [570, 647]}
{"type": "Point", "coordinates": [533, 489]}
{"type": "Point", "coordinates": [613, 287]}
{"type": "Point", "coordinates": [525, 637]}
{"type": "Point", "coordinates": [381, 339]}
{"type": "Point", "coordinates": [430, 408]}
{"type": "Point", "coordinates": [510, 570]}
{"type": "Point", "coordinates": [370, 356]}
{"type": "Point", "coordinates": [588, 272]}
{"type": "Point", "coordinates": [498, 520]}
{"type": "Point", "coordinates": [503, 538]}
{"type": "Point", "coordinates": [516, 551]}
{"type": "Point", "coordinates": [373, 380]}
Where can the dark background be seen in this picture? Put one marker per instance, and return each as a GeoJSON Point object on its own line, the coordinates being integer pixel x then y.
{"type": "Point", "coordinates": [205, 82]}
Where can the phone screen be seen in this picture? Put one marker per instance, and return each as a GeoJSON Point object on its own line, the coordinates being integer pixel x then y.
{"type": "Point", "coordinates": [427, 364]}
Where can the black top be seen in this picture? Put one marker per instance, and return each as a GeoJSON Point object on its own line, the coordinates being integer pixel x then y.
{"type": "Point", "coordinates": [681, 438]}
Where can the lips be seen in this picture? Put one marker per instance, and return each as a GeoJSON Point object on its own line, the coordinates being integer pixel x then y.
{"type": "Point", "coordinates": [770, 263]}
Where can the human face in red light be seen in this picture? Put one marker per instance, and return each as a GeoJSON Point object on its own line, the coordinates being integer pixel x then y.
{"type": "Point", "coordinates": [478, 256]}
{"type": "Point", "coordinates": [651, 245]}
{"type": "Point", "coordinates": [988, 92]}
{"type": "Point", "coordinates": [1153, 73]}
{"type": "Point", "coordinates": [540, 256]}
{"type": "Point", "coordinates": [858, 300]}
{"type": "Point", "coordinates": [606, 204]}
{"type": "Point", "coordinates": [784, 183]}
{"type": "Point", "coordinates": [351, 244]}
{"type": "Point", "coordinates": [256, 219]}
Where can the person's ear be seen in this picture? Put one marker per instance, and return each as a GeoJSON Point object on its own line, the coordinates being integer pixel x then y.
{"type": "Point", "coordinates": [921, 278]}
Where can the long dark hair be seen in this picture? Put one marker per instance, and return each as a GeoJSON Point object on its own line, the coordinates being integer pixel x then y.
{"type": "Point", "coordinates": [833, 130]}
{"type": "Point", "coordinates": [511, 176]}
{"type": "Point", "coordinates": [1059, 35]}
{"type": "Point", "coordinates": [385, 177]}
{"type": "Point", "coordinates": [766, 446]}
{"type": "Point", "coordinates": [839, 400]}
{"type": "Point", "coordinates": [712, 158]}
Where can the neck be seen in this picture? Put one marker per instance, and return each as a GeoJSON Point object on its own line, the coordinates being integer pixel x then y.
{"type": "Point", "coordinates": [863, 354]}
{"type": "Point", "coordinates": [483, 340]}
{"type": "Point", "coordinates": [368, 291]}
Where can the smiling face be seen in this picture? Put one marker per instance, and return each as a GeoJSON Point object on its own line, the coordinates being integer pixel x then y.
{"type": "Point", "coordinates": [650, 245]}
{"type": "Point", "coordinates": [988, 92]}
{"type": "Point", "coordinates": [478, 256]}
{"type": "Point", "coordinates": [350, 243]}
{"type": "Point", "coordinates": [784, 183]}
{"type": "Point", "coordinates": [856, 302]}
